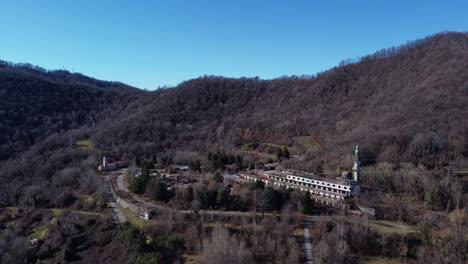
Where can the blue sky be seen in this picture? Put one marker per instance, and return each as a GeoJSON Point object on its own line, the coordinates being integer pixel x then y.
{"type": "Point", "coordinates": [154, 43]}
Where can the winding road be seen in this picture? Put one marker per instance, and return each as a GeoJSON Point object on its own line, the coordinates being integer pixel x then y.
{"type": "Point", "coordinates": [137, 200]}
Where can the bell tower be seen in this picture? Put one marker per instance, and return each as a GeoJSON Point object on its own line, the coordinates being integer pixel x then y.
{"type": "Point", "coordinates": [356, 166]}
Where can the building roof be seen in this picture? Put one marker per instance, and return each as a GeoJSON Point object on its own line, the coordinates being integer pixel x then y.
{"type": "Point", "coordinates": [180, 167]}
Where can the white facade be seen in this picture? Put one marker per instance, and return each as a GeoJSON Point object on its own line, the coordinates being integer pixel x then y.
{"type": "Point", "coordinates": [328, 191]}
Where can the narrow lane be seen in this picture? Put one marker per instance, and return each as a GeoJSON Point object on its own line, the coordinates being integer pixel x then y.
{"type": "Point", "coordinates": [307, 244]}
{"type": "Point", "coordinates": [109, 199]}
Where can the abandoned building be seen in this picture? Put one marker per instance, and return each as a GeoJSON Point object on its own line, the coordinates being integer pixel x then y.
{"type": "Point", "coordinates": [333, 192]}
{"type": "Point", "coordinates": [106, 166]}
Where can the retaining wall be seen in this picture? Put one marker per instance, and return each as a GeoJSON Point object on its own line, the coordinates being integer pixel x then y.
{"type": "Point", "coordinates": [125, 203]}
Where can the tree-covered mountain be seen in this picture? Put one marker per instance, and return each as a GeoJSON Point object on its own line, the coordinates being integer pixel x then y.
{"type": "Point", "coordinates": [405, 103]}
{"type": "Point", "coordinates": [35, 103]}
{"type": "Point", "coordinates": [401, 104]}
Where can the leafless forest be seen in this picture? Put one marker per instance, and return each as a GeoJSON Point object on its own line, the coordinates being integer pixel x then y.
{"type": "Point", "coordinates": [406, 106]}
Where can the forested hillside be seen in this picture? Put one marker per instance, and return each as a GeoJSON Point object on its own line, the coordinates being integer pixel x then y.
{"type": "Point", "coordinates": [405, 103]}
{"type": "Point", "coordinates": [35, 103]}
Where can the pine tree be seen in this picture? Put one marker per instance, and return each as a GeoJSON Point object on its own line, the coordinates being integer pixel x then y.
{"type": "Point", "coordinates": [318, 169]}
{"type": "Point", "coordinates": [286, 154]}
{"type": "Point", "coordinates": [279, 154]}
{"type": "Point", "coordinates": [223, 198]}
{"type": "Point", "coordinates": [156, 190]}
{"type": "Point", "coordinates": [239, 162]}
{"type": "Point", "coordinates": [307, 204]}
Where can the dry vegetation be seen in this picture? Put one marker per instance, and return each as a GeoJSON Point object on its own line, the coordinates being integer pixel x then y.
{"type": "Point", "coordinates": [406, 106]}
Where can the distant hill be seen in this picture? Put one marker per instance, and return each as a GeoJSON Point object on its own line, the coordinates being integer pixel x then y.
{"type": "Point", "coordinates": [35, 103]}
{"type": "Point", "coordinates": [407, 103]}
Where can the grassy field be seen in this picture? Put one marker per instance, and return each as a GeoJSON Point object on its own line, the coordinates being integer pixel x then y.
{"type": "Point", "coordinates": [384, 226]}
{"type": "Point", "coordinates": [86, 144]}
{"type": "Point", "coordinates": [274, 145]}
{"type": "Point", "coordinates": [39, 232]}
{"type": "Point", "coordinates": [390, 227]}
{"type": "Point", "coordinates": [191, 258]}
{"type": "Point", "coordinates": [57, 212]}
{"type": "Point", "coordinates": [302, 144]}
{"type": "Point", "coordinates": [380, 260]}
{"type": "Point", "coordinates": [305, 141]}
{"type": "Point", "coordinates": [393, 227]}
{"type": "Point", "coordinates": [298, 232]}
{"type": "Point", "coordinates": [260, 155]}
{"type": "Point", "coordinates": [134, 219]}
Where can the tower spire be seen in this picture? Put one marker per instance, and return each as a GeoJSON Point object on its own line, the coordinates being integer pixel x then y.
{"type": "Point", "coordinates": [357, 165]}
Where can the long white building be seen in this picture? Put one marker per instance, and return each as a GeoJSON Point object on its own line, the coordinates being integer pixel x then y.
{"type": "Point", "coordinates": [333, 192]}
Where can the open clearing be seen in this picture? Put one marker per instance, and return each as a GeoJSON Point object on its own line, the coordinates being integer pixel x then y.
{"type": "Point", "coordinates": [86, 144]}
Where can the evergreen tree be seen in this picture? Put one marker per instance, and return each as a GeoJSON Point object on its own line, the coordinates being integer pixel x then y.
{"type": "Point", "coordinates": [195, 166]}
{"type": "Point", "coordinates": [211, 198]}
{"type": "Point", "coordinates": [217, 177]}
{"type": "Point", "coordinates": [307, 204]}
{"type": "Point", "coordinates": [137, 185]}
{"type": "Point", "coordinates": [224, 198]}
{"type": "Point", "coordinates": [169, 169]}
{"type": "Point", "coordinates": [239, 162]}
{"type": "Point", "coordinates": [318, 169]}
{"type": "Point", "coordinates": [271, 199]}
{"type": "Point", "coordinates": [188, 196]}
{"type": "Point", "coordinates": [231, 159]}
{"type": "Point", "coordinates": [157, 190]}
{"type": "Point", "coordinates": [279, 154]}
{"type": "Point", "coordinates": [201, 196]}
{"type": "Point", "coordinates": [286, 154]}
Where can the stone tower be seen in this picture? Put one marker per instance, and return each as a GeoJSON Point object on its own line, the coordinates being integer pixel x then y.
{"type": "Point", "coordinates": [356, 166]}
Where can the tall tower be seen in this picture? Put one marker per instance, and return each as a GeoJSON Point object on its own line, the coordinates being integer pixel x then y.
{"type": "Point", "coordinates": [104, 162]}
{"type": "Point", "coordinates": [356, 166]}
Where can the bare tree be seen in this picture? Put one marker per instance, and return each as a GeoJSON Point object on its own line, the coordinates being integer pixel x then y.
{"type": "Point", "coordinates": [224, 248]}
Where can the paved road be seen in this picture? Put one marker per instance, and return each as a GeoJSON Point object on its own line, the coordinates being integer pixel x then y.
{"type": "Point", "coordinates": [109, 199]}
{"type": "Point", "coordinates": [121, 181]}
{"type": "Point", "coordinates": [308, 219]}
{"type": "Point", "coordinates": [307, 244]}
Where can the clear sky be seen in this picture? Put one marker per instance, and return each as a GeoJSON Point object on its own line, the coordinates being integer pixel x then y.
{"type": "Point", "coordinates": [154, 43]}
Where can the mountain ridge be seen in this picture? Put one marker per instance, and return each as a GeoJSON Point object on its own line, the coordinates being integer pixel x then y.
{"type": "Point", "coordinates": [380, 101]}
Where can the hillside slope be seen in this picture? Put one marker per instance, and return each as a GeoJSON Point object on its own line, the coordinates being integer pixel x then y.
{"type": "Point", "coordinates": [401, 104]}
{"type": "Point", "coordinates": [35, 103]}
{"type": "Point", "coordinates": [404, 103]}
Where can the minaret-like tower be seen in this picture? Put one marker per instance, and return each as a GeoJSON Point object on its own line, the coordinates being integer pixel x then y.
{"type": "Point", "coordinates": [104, 162]}
{"type": "Point", "coordinates": [356, 166]}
